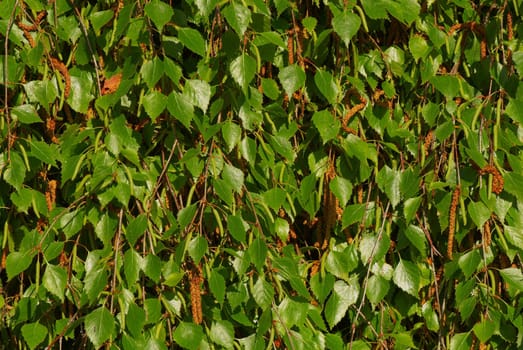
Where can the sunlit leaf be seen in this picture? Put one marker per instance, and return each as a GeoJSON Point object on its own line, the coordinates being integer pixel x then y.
{"type": "Point", "coordinates": [188, 335]}
{"type": "Point", "coordinates": [159, 12]}
{"type": "Point", "coordinates": [99, 326]}
{"type": "Point", "coordinates": [407, 276]}
{"type": "Point", "coordinates": [346, 25]}
{"type": "Point", "coordinates": [243, 69]}
{"type": "Point", "coordinates": [192, 39]}
{"type": "Point", "coordinates": [343, 295]}
{"type": "Point", "coordinates": [34, 334]}
{"type": "Point", "coordinates": [55, 280]}
{"type": "Point", "coordinates": [292, 78]}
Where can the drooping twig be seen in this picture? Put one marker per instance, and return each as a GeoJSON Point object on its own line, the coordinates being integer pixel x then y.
{"type": "Point", "coordinates": [6, 77]}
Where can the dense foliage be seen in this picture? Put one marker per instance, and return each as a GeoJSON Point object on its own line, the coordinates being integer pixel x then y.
{"type": "Point", "coordinates": [261, 174]}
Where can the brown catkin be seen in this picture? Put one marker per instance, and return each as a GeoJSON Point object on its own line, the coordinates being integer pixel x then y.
{"type": "Point", "coordinates": [510, 29]}
{"type": "Point", "coordinates": [452, 220]}
{"type": "Point", "coordinates": [195, 280]}
{"type": "Point", "coordinates": [352, 111]}
{"type": "Point", "coordinates": [59, 66]}
{"type": "Point", "coordinates": [330, 205]}
{"type": "Point", "coordinates": [290, 46]}
{"type": "Point", "coordinates": [50, 194]}
{"type": "Point", "coordinates": [428, 142]}
{"type": "Point", "coordinates": [483, 48]}
{"type": "Point", "coordinates": [497, 179]}
{"type": "Point", "coordinates": [487, 235]}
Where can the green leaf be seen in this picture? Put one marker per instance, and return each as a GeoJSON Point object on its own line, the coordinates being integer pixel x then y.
{"type": "Point", "coordinates": [389, 182]}
{"type": "Point", "coordinates": [186, 215]}
{"type": "Point", "coordinates": [188, 335]}
{"type": "Point", "coordinates": [198, 93]}
{"type": "Point", "coordinates": [514, 110]}
{"type": "Point", "coordinates": [17, 262]}
{"type": "Point", "coordinates": [513, 183]}
{"type": "Point", "coordinates": [152, 267]}
{"type": "Point", "coordinates": [479, 213]}
{"type": "Point", "coordinates": [375, 9]}
{"type": "Point", "coordinates": [430, 316]}
{"type": "Point", "coordinates": [25, 114]}
{"type": "Point", "coordinates": [282, 228]}
{"type": "Point", "coordinates": [238, 17]}
{"type": "Point", "coordinates": [233, 176]}
{"type": "Point", "coordinates": [53, 250]}
{"type": "Point", "coordinates": [341, 261]}
{"type": "Point", "coordinates": [377, 289]}
{"type": "Point", "coordinates": [352, 213]}
{"type": "Point", "coordinates": [327, 86]}
{"type": "Point", "coordinates": [416, 236]}
{"type": "Point", "coordinates": [43, 92]}
{"type": "Point", "coordinates": [258, 253]}
{"type": "Point", "coordinates": [99, 326]}
{"type": "Point", "coordinates": [283, 146]}
{"type": "Point", "coordinates": [327, 124]}
{"type": "Point", "coordinates": [101, 18]}
{"type": "Point", "coordinates": [217, 286]}
{"type": "Point", "coordinates": [152, 71]}
{"type": "Point", "coordinates": [55, 280]}
{"type": "Point", "coordinates": [343, 295]}
{"type": "Point", "coordinates": [513, 277]}
{"type": "Point", "coordinates": [22, 199]}
{"type": "Point", "coordinates": [448, 85]}
{"type": "Point", "coordinates": [222, 333]}
{"type": "Point", "coordinates": [485, 329]}
{"type": "Point", "coordinates": [418, 47]}
{"type": "Point", "coordinates": [80, 96]}
{"type": "Point", "coordinates": [407, 276]}
{"type": "Point", "coordinates": [159, 12]}
{"type": "Point", "coordinates": [154, 104]}
{"type": "Point", "coordinates": [270, 88]}
{"type": "Point", "coordinates": [292, 78]}
{"type": "Point", "coordinates": [94, 283]}
{"type": "Point", "coordinates": [180, 108]}
{"type": "Point", "coordinates": [193, 40]}
{"type": "Point", "coordinates": [322, 286]}
{"type": "Point", "coordinates": [346, 25]}
{"type": "Point", "coordinates": [410, 207]}
{"type": "Point", "coordinates": [469, 262]}
{"type": "Point", "coordinates": [197, 248]}
{"type": "Point", "coordinates": [373, 248]}
{"type": "Point", "coordinates": [232, 134]}
{"type": "Point", "coordinates": [105, 228]}
{"type": "Point", "coordinates": [407, 11]}
{"type": "Point", "coordinates": [270, 37]}
{"type": "Point", "coordinates": [460, 341]}
{"type": "Point", "coordinates": [71, 223]}
{"type": "Point", "coordinates": [44, 152]}
{"type": "Point", "coordinates": [263, 293]}
{"type": "Point", "coordinates": [342, 189]}
{"type": "Point", "coordinates": [136, 228]}
{"type": "Point", "coordinates": [132, 264]}
{"type": "Point", "coordinates": [243, 69]}
{"type": "Point", "coordinates": [34, 334]}
{"type": "Point", "coordinates": [236, 227]}
{"type": "Point", "coordinates": [292, 312]}
{"type": "Point", "coordinates": [135, 319]}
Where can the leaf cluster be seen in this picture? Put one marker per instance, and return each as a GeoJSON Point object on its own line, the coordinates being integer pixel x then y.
{"type": "Point", "coordinates": [206, 174]}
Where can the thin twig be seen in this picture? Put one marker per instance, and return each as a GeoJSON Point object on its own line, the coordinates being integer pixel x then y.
{"type": "Point", "coordinates": [6, 77]}
{"type": "Point", "coordinates": [162, 174]}
{"type": "Point", "coordinates": [366, 281]}
{"type": "Point", "coordinates": [116, 252]}
{"type": "Point", "coordinates": [93, 56]}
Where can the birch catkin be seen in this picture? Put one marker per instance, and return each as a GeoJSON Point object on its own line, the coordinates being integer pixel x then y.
{"type": "Point", "coordinates": [452, 220]}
